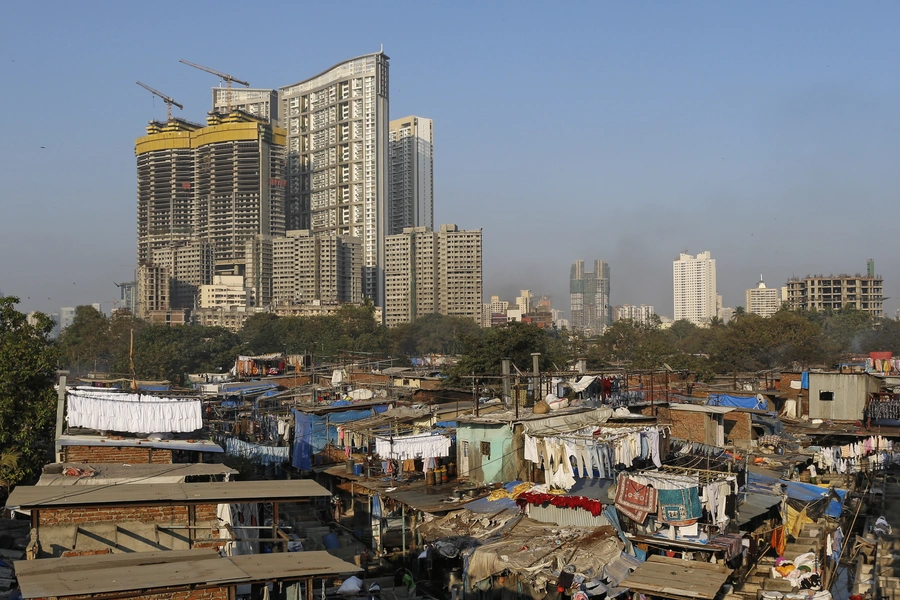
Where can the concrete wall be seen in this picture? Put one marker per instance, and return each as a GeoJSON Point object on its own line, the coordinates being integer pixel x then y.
{"type": "Point", "coordinates": [500, 466]}
{"type": "Point", "coordinates": [850, 393]}
{"type": "Point", "coordinates": [131, 455]}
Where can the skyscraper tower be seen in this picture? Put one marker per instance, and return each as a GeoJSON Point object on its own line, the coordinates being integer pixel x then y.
{"type": "Point", "coordinates": [694, 281]}
{"type": "Point", "coordinates": [203, 192]}
{"type": "Point", "coordinates": [589, 297]}
{"type": "Point", "coordinates": [337, 158]}
{"type": "Point", "coordinates": [165, 176]}
{"type": "Point", "coordinates": [412, 173]}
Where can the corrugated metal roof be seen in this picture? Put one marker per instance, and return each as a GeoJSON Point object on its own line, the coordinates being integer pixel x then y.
{"type": "Point", "coordinates": [146, 571]}
{"type": "Point", "coordinates": [755, 505]}
{"type": "Point", "coordinates": [565, 517]}
{"type": "Point", "coordinates": [25, 496]}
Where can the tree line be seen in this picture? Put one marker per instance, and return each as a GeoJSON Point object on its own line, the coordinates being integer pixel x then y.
{"type": "Point", "coordinates": [748, 342]}
{"type": "Point", "coordinates": [29, 359]}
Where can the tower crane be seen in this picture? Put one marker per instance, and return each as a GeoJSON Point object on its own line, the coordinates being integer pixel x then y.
{"type": "Point", "coordinates": [169, 101]}
{"type": "Point", "coordinates": [225, 76]}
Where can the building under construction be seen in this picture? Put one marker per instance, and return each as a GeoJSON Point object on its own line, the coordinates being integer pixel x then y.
{"type": "Point", "coordinates": [222, 184]}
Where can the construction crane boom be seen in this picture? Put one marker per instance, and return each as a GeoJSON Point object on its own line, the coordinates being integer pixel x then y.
{"type": "Point", "coordinates": [224, 76]}
{"type": "Point", "coordinates": [169, 101]}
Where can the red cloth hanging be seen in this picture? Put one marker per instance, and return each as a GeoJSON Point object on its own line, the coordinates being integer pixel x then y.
{"type": "Point", "coordinates": [538, 499]}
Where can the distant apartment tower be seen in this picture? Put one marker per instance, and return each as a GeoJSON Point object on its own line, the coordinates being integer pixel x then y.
{"type": "Point", "coordinates": [412, 173]}
{"type": "Point", "coordinates": [496, 308]}
{"type": "Point", "coordinates": [261, 103]}
{"type": "Point", "coordinates": [762, 300]}
{"type": "Point", "coordinates": [66, 317]}
{"type": "Point", "coordinates": [338, 157]}
{"type": "Point", "coordinates": [428, 272]}
{"type": "Point", "coordinates": [642, 314]}
{"type": "Point", "coordinates": [128, 296]}
{"type": "Point", "coordinates": [153, 290]}
{"type": "Point", "coordinates": [222, 184]}
{"type": "Point", "coordinates": [308, 268]}
{"type": "Point", "coordinates": [694, 279]}
{"type": "Point", "coordinates": [589, 297]}
{"type": "Point", "coordinates": [833, 292]}
{"type": "Point", "coordinates": [188, 266]}
{"type": "Point", "coordinates": [524, 301]}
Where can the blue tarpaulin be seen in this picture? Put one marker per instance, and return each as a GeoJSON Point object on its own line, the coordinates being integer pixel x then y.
{"type": "Point", "coordinates": [797, 490]}
{"type": "Point", "coordinates": [313, 432]}
{"type": "Point", "coordinates": [738, 401]}
{"type": "Point", "coordinates": [804, 380]}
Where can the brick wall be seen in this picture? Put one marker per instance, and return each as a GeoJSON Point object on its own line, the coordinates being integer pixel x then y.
{"type": "Point", "coordinates": [69, 553]}
{"type": "Point", "coordinates": [212, 593]}
{"type": "Point", "coordinates": [204, 513]}
{"type": "Point", "coordinates": [132, 455]}
{"type": "Point", "coordinates": [737, 427]}
{"type": "Point", "coordinates": [784, 385]}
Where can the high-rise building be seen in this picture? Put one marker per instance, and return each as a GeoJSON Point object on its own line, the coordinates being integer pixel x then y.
{"type": "Point", "coordinates": [523, 301]}
{"type": "Point", "coordinates": [428, 272]}
{"type": "Point", "coordinates": [495, 308]}
{"type": "Point", "coordinates": [188, 266]}
{"type": "Point", "coordinates": [308, 268]}
{"type": "Point", "coordinates": [694, 281]}
{"type": "Point", "coordinates": [833, 292]}
{"type": "Point", "coordinates": [128, 296]}
{"type": "Point", "coordinates": [261, 103]}
{"type": "Point", "coordinates": [166, 203]}
{"type": "Point", "coordinates": [589, 297]}
{"type": "Point", "coordinates": [412, 174]}
{"type": "Point", "coordinates": [220, 185]}
{"type": "Point", "coordinates": [240, 185]}
{"type": "Point", "coordinates": [153, 289]}
{"type": "Point", "coordinates": [642, 314]}
{"type": "Point", "coordinates": [761, 300]}
{"type": "Point", "coordinates": [66, 317]}
{"type": "Point", "coordinates": [338, 157]}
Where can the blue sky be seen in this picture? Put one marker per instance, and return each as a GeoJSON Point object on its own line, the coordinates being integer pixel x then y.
{"type": "Point", "coordinates": [765, 132]}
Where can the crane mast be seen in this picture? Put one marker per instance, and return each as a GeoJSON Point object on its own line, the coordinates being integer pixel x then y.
{"type": "Point", "coordinates": [169, 101]}
{"type": "Point", "coordinates": [225, 76]}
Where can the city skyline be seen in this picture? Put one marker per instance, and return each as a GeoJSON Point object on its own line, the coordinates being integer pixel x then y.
{"type": "Point", "coordinates": [753, 151]}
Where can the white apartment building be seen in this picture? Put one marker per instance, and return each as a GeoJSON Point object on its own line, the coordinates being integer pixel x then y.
{"type": "Point", "coordinates": [523, 301]}
{"type": "Point", "coordinates": [338, 157]}
{"type": "Point", "coordinates": [694, 279]}
{"type": "Point", "coordinates": [641, 314]}
{"type": "Point", "coordinates": [494, 307]}
{"type": "Point", "coordinates": [428, 272]}
{"type": "Point", "coordinates": [261, 103]}
{"type": "Point", "coordinates": [307, 268]}
{"type": "Point", "coordinates": [761, 300]}
{"type": "Point", "coordinates": [224, 292]}
{"type": "Point", "coordinates": [412, 174]}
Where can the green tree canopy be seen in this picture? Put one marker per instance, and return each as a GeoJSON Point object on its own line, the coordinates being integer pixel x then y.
{"type": "Point", "coordinates": [27, 400]}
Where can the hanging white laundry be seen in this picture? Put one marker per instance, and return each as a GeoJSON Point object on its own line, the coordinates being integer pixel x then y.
{"type": "Point", "coordinates": [133, 413]}
{"type": "Point", "coordinates": [413, 446]}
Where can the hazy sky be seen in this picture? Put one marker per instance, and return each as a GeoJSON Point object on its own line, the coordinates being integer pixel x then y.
{"type": "Point", "coordinates": [764, 132]}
